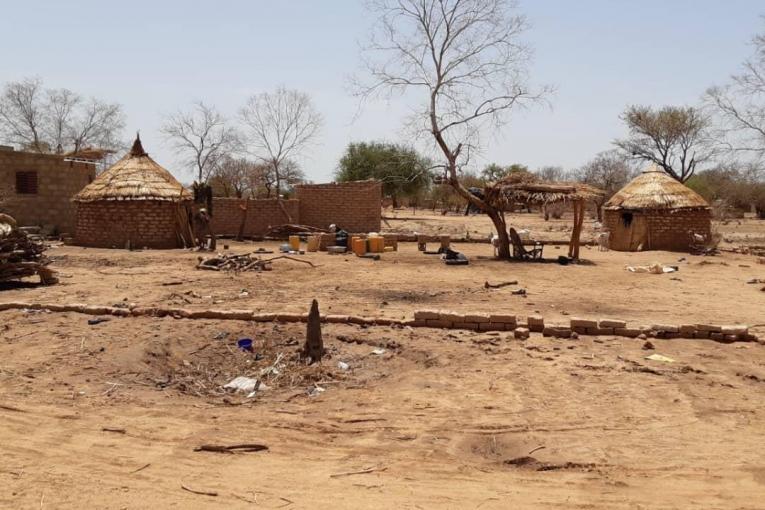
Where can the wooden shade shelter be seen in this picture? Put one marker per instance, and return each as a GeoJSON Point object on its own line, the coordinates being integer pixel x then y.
{"type": "Point", "coordinates": [526, 189]}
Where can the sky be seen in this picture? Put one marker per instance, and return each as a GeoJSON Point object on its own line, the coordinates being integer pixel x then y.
{"type": "Point", "coordinates": [155, 57]}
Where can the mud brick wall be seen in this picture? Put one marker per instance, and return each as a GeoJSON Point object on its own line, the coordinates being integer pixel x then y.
{"type": "Point", "coordinates": [667, 229]}
{"type": "Point", "coordinates": [261, 215]}
{"type": "Point", "coordinates": [353, 206]}
{"type": "Point", "coordinates": [111, 224]}
{"type": "Point", "coordinates": [57, 182]}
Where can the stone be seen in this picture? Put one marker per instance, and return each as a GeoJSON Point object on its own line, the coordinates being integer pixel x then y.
{"type": "Point", "coordinates": [583, 323]}
{"type": "Point", "coordinates": [648, 346]}
{"type": "Point", "coordinates": [611, 323]}
{"type": "Point", "coordinates": [521, 333]}
{"type": "Point", "coordinates": [423, 315]}
{"type": "Point", "coordinates": [574, 335]}
{"type": "Point", "coordinates": [642, 336]}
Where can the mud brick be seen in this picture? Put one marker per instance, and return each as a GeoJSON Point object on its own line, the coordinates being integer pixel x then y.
{"type": "Point", "coordinates": [734, 330]}
{"type": "Point", "coordinates": [708, 327]}
{"type": "Point", "coordinates": [668, 328]}
{"type": "Point", "coordinates": [627, 332]}
{"type": "Point", "coordinates": [478, 317]}
{"type": "Point", "coordinates": [521, 333]}
{"type": "Point", "coordinates": [557, 331]}
{"type": "Point", "coordinates": [687, 330]}
{"type": "Point", "coordinates": [580, 330]}
{"type": "Point", "coordinates": [611, 323]}
{"type": "Point", "coordinates": [577, 322]}
{"type": "Point", "coordinates": [263, 317]}
{"type": "Point", "coordinates": [536, 323]}
{"type": "Point", "coordinates": [438, 323]}
{"type": "Point", "coordinates": [716, 335]}
{"type": "Point", "coordinates": [600, 331]}
{"type": "Point", "coordinates": [465, 325]}
{"type": "Point", "coordinates": [446, 315]}
{"type": "Point", "coordinates": [423, 315]}
{"type": "Point", "coordinates": [500, 318]}
{"type": "Point", "coordinates": [491, 326]}
{"type": "Point", "coordinates": [701, 334]}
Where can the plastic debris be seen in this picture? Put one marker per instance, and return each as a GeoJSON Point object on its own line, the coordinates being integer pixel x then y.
{"type": "Point", "coordinates": [660, 357]}
{"type": "Point", "coordinates": [247, 385]}
{"type": "Point", "coordinates": [379, 351]}
{"type": "Point", "coordinates": [342, 365]}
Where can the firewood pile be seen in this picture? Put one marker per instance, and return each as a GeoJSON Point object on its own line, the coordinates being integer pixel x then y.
{"type": "Point", "coordinates": [22, 256]}
{"type": "Point", "coordinates": [241, 263]}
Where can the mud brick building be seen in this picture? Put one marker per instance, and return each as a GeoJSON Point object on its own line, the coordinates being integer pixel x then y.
{"type": "Point", "coordinates": [37, 189]}
{"type": "Point", "coordinates": [655, 212]}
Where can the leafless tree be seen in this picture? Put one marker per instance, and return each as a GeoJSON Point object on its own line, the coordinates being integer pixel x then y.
{"type": "Point", "coordinates": [466, 59]}
{"type": "Point", "coordinates": [202, 136]}
{"type": "Point", "coordinates": [677, 139]}
{"type": "Point", "coordinates": [740, 105]}
{"type": "Point", "coordinates": [552, 173]}
{"type": "Point", "coordinates": [280, 126]}
{"type": "Point", "coordinates": [42, 120]}
{"type": "Point", "coordinates": [608, 171]}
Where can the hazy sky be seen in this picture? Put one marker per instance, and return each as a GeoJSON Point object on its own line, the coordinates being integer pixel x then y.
{"type": "Point", "coordinates": [154, 57]}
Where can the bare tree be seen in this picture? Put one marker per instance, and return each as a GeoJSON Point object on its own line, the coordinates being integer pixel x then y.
{"type": "Point", "coordinates": [21, 114]}
{"type": "Point", "coordinates": [552, 173]}
{"type": "Point", "coordinates": [467, 60]}
{"type": "Point", "coordinates": [677, 139]}
{"type": "Point", "coordinates": [202, 137]}
{"type": "Point", "coordinates": [42, 120]}
{"type": "Point", "coordinates": [608, 171]}
{"type": "Point", "coordinates": [231, 177]}
{"type": "Point", "coordinates": [281, 125]}
{"type": "Point", "coordinates": [740, 105]}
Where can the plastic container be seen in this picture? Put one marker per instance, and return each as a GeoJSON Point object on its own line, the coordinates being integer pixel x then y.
{"type": "Point", "coordinates": [313, 243]}
{"type": "Point", "coordinates": [245, 344]}
{"type": "Point", "coordinates": [295, 243]}
{"type": "Point", "coordinates": [376, 244]}
{"type": "Point", "coordinates": [359, 246]}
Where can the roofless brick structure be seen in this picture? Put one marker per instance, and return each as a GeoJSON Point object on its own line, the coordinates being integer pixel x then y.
{"type": "Point", "coordinates": [655, 212]}
{"type": "Point", "coordinates": [134, 204]}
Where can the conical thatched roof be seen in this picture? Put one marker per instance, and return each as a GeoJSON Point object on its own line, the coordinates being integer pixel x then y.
{"type": "Point", "coordinates": [655, 189]}
{"type": "Point", "coordinates": [134, 177]}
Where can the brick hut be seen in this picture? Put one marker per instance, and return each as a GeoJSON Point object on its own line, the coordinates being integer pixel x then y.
{"type": "Point", "coordinates": [134, 204]}
{"type": "Point", "coordinates": [655, 212]}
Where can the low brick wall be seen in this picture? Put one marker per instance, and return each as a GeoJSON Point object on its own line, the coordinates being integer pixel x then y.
{"type": "Point", "coordinates": [664, 229]}
{"type": "Point", "coordinates": [260, 215]}
{"type": "Point", "coordinates": [111, 224]}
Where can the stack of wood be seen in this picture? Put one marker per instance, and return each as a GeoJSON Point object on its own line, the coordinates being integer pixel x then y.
{"type": "Point", "coordinates": [239, 263]}
{"type": "Point", "coordinates": [22, 256]}
{"type": "Point", "coordinates": [282, 231]}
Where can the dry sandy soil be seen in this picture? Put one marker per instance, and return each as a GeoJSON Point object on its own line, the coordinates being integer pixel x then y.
{"type": "Point", "coordinates": [441, 419]}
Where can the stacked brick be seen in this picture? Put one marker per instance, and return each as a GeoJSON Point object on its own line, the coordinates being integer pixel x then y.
{"type": "Point", "coordinates": [611, 327]}
{"type": "Point", "coordinates": [57, 182]}
{"type": "Point", "coordinates": [114, 224]}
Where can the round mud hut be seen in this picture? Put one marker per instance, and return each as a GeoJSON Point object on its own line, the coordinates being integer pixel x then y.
{"type": "Point", "coordinates": [134, 204]}
{"type": "Point", "coordinates": [655, 212]}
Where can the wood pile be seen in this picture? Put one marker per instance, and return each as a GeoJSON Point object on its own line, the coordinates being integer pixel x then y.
{"type": "Point", "coordinates": [282, 231]}
{"type": "Point", "coordinates": [22, 256]}
{"type": "Point", "coordinates": [240, 263]}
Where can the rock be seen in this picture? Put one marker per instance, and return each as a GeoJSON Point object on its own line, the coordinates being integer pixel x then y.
{"type": "Point", "coordinates": [521, 333]}
{"type": "Point", "coordinates": [648, 346]}
{"type": "Point", "coordinates": [642, 336]}
{"type": "Point", "coordinates": [574, 335]}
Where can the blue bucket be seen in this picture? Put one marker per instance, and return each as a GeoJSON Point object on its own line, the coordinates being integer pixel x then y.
{"type": "Point", "coordinates": [245, 344]}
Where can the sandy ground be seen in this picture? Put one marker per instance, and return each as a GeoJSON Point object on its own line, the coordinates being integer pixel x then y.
{"type": "Point", "coordinates": [439, 420]}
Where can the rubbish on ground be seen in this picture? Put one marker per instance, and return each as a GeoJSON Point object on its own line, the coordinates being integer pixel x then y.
{"type": "Point", "coordinates": [660, 357]}
{"type": "Point", "coordinates": [315, 390]}
{"type": "Point", "coordinates": [291, 229]}
{"type": "Point", "coordinates": [245, 344]}
{"type": "Point", "coordinates": [246, 385]}
{"type": "Point", "coordinates": [98, 320]}
{"type": "Point", "coordinates": [372, 256]}
{"type": "Point", "coordinates": [454, 258]}
{"type": "Point", "coordinates": [652, 269]}
{"type": "Point", "coordinates": [333, 250]}
{"type": "Point", "coordinates": [342, 365]}
{"type": "Point", "coordinates": [379, 351]}
{"type": "Point", "coordinates": [234, 448]}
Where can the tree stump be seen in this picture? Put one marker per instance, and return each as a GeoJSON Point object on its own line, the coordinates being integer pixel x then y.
{"type": "Point", "coordinates": [314, 345]}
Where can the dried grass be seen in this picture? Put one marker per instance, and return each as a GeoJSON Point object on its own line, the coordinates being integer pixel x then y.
{"type": "Point", "coordinates": [654, 189]}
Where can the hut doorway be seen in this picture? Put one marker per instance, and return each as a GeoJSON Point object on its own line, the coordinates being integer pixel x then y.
{"type": "Point", "coordinates": [638, 233]}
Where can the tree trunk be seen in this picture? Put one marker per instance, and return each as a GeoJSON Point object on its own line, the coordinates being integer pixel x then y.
{"type": "Point", "coordinates": [394, 201]}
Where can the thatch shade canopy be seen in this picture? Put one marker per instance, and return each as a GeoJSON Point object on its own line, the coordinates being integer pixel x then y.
{"type": "Point", "coordinates": [526, 188]}
{"type": "Point", "coordinates": [134, 177]}
{"type": "Point", "coordinates": [654, 189]}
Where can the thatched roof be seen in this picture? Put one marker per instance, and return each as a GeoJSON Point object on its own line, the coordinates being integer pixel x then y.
{"type": "Point", "coordinates": [655, 189]}
{"type": "Point", "coordinates": [524, 187]}
{"type": "Point", "coordinates": [134, 177]}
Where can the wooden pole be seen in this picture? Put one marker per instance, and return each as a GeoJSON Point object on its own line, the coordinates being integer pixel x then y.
{"type": "Point", "coordinates": [314, 346]}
